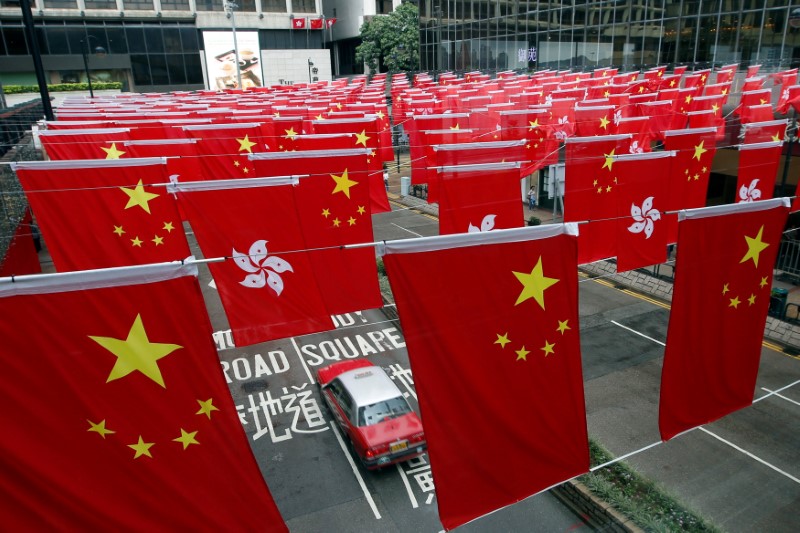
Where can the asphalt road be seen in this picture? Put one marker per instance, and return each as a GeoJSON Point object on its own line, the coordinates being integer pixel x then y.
{"type": "Point", "coordinates": [741, 472]}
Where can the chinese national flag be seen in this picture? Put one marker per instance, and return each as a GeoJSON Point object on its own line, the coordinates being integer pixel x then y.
{"type": "Point", "coordinates": [333, 205]}
{"type": "Point", "coordinates": [224, 148]}
{"type": "Point", "coordinates": [269, 288]}
{"type": "Point", "coordinates": [642, 226]}
{"type": "Point", "coordinates": [85, 143]}
{"type": "Point", "coordinates": [595, 120]}
{"type": "Point", "coordinates": [181, 154]}
{"type": "Point", "coordinates": [591, 192]}
{"type": "Point", "coordinates": [316, 24]}
{"type": "Point", "coordinates": [99, 214]}
{"type": "Point", "coordinates": [758, 167]}
{"type": "Point", "coordinates": [20, 256]}
{"type": "Point", "coordinates": [762, 132]}
{"type": "Point", "coordinates": [689, 181]}
{"type": "Point", "coordinates": [515, 424]}
{"type": "Point", "coordinates": [475, 198]}
{"type": "Point", "coordinates": [719, 309]}
{"type": "Point", "coordinates": [116, 412]}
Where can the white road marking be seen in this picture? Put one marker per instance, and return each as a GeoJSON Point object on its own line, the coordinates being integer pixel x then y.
{"type": "Point", "coordinates": [638, 333]}
{"type": "Point", "coordinates": [363, 485]}
{"type": "Point", "coordinates": [430, 499]}
{"type": "Point", "coordinates": [406, 229]}
{"type": "Point", "coordinates": [303, 361]}
{"type": "Point", "coordinates": [404, 477]}
{"type": "Point", "coordinates": [789, 386]}
{"type": "Point", "coordinates": [762, 461]}
{"type": "Point", "coordinates": [781, 396]}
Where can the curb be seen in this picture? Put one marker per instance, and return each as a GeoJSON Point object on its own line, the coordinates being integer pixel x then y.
{"type": "Point", "coordinates": [594, 511]}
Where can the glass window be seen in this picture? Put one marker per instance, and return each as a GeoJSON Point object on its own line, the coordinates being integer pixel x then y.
{"type": "Point", "coordinates": [175, 5]}
{"type": "Point", "coordinates": [209, 5]}
{"type": "Point", "coordinates": [194, 70]}
{"type": "Point", "coordinates": [273, 6]}
{"type": "Point", "coordinates": [303, 6]}
{"type": "Point", "coordinates": [381, 411]}
{"type": "Point", "coordinates": [383, 7]}
{"type": "Point", "coordinates": [15, 41]}
{"type": "Point", "coordinates": [100, 4]}
{"type": "Point", "coordinates": [248, 6]}
{"type": "Point", "coordinates": [175, 68]}
{"type": "Point", "coordinates": [117, 44]}
{"type": "Point", "coordinates": [140, 4]}
{"type": "Point", "coordinates": [158, 69]}
{"type": "Point", "coordinates": [135, 38]}
{"type": "Point", "coordinates": [41, 39]}
{"type": "Point", "coordinates": [141, 69]}
{"type": "Point", "coordinates": [172, 40]}
{"type": "Point", "coordinates": [56, 38]}
{"type": "Point", "coordinates": [189, 39]}
{"type": "Point", "coordinates": [62, 4]}
{"type": "Point", "coordinates": [154, 39]}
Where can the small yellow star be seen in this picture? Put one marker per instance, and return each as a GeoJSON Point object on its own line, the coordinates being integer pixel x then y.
{"type": "Point", "coordinates": [534, 284]}
{"type": "Point", "coordinates": [379, 114]}
{"type": "Point", "coordinates": [158, 240]}
{"type": "Point", "coordinates": [704, 170]}
{"type": "Point", "coordinates": [136, 242]}
{"type": "Point", "coordinates": [206, 407]}
{"type": "Point", "coordinates": [763, 101]}
{"type": "Point", "coordinates": [548, 348]}
{"type": "Point", "coordinates": [754, 247]}
{"type": "Point", "coordinates": [343, 183]}
{"type": "Point", "coordinates": [320, 117]}
{"type": "Point", "coordinates": [522, 354]}
{"type": "Point", "coordinates": [138, 196]}
{"type": "Point", "coordinates": [752, 299]}
{"type": "Point", "coordinates": [672, 83]}
{"type": "Point", "coordinates": [168, 227]}
{"type": "Point", "coordinates": [734, 302]}
{"type": "Point", "coordinates": [186, 438]}
{"type": "Point", "coordinates": [245, 145]}
{"type": "Point", "coordinates": [696, 177]}
{"type": "Point", "coordinates": [609, 161]}
{"type": "Point", "coordinates": [502, 340]}
{"type": "Point", "coordinates": [99, 428]}
{"type": "Point", "coordinates": [607, 93]}
{"type": "Point", "coordinates": [563, 326]}
{"type": "Point", "coordinates": [699, 150]}
{"type": "Point", "coordinates": [456, 127]}
{"type": "Point", "coordinates": [763, 282]}
{"type": "Point", "coordinates": [361, 210]}
{"type": "Point", "coordinates": [725, 288]}
{"type": "Point", "coordinates": [604, 122]}
{"type": "Point", "coordinates": [599, 190]}
{"type": "Point", "coordinates": [351, 221]}
{"type": "Point", "coordinates": [777, 137]}
{"type": "Point", "coordinates": [276, 114]}
{"type": "Point", "coordinates": [118, 230]}
{"type": "Point", "coordinates": [336, 222]}
{"type": "Point", "coordinates": [594, 183]}
{"type": "Point", "coordinates": [724, 91]}
{"type": "Point", "coordinates": [290, 133]}
{"type": "Point", "coordinates": [246, 170]}
{"type": "Point", "coordinates": [326, 213]}
{"type": "Point", "coordinates": [608, 188]}
{"type": "Point", "coordinates": [112, 152]}
{"type": "Point", "coordinates": [235, 163]}
{"type": "Point", "coordinates": [141, 448]}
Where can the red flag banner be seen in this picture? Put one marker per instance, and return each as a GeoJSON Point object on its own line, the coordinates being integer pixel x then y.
{"type": "Point", "coordinates": [99, 214]}
{"type": "Point", "coordinates": [127, 379]}
{"type": "Point", "coordinates": [316, 24]}
{"type": "Point", "coordinates": [516, 424]}
{"type": "Point", "coordinates": [330, 22]}
{"type": "Point", "coordinates": [268, 289]}
{"type": "Point", "coordinates": [642, 226]}
{"type": "Point", "coordinates": [225, 148]}
{"type": "Point", "coordinates": [762, 132]}
{"type": "Point", "coordinates": [21, 256]}
{"type": "Point", "coordinates": [298, 23]}
{"type": "Point", "coordinates": [85, 143]}
{"type": "Point", "coordinates": [719, 310]}
{"type": "Point", "coordinates": [758, 168]}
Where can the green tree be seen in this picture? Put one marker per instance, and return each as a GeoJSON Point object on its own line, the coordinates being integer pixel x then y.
{"type": "Point", "coordinates": [391, 40]}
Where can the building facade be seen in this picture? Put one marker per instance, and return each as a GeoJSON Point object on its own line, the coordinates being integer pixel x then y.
{"type": "Point", "coordinates": [161, 45]}
{"type": "Point", "coordinates": [463, 35]}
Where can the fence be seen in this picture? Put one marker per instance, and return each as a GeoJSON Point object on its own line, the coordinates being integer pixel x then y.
{"type": "Point", "coordinates": [16, 121]}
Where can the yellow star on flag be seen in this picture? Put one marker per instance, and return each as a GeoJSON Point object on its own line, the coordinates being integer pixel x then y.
{"type": "Point", "coordinates": [186, 438]}
{"type": "Point", "coordinates": [138, 196]}
{"type": "Point", "coordinates": [361, 210]}
{"type": "Point", "coordinates": [336, 222]}
{"type": "Point", "coordinates": [533, 124]}
{"type": "Point", "coordinates": [502, 340]}
{"type": "Point", "coordinates": [563, 325]}
{"type": "Point", "coordinates": [724, 92]}
{"type": "Point", "coordinates": [548, 348]}
{"type": "Point", "coordinates": [136, 242]}
{"type": "Point", "coordinates": [361, 138]}
{"type": "Point", "coordinates": [688, 98]}
{"type": "Point", "coordinates": [379, 114]}
{"type": "Point", "coordinates": [534, 284]}
{"type": "Point", "coordinates": [699, 150]}
{"type": "Point", "coordinates": [725, 288]}
{"type": "Point", "coordinates": [246, 145]}
{"type": "Point", "coordinates": [206, 407]}
{"type": "Point", "coordinates": [609, 161]}
{"type": "Point", "coordinates": [236, 163]}
{"type": "Point", "coordinates": [141, 448]}
{"type": "Point", "coordinates": [136, 352]}
{"type": "Point", "coordinates": [351, 221]}
{"type": "Point", "coordinates": [290, 133]}
{"type": "Point", "coordinates": [320, 117]}
{"type": "Point", "coordinates": [734, 302]}
{"type": "Point", "coordinates": [777, 137]}
{"type": "Point", "coordinates": [456, 127]}
{"type": "Point", "coordinates": [168, 227]}
{"type": "Point", "coordinates": [158, 240]}
{"type": "Point", "coordinates": [343, 183]}
{"type": "Point", "coordinates": [118, 230]}
{"type": "Point", "coordinates": [754, 247]}
{"type": "Point", "coordinates": [763, 282]}
{"type": "Point", "coordinates": [326, 213]}
{"type": "Point", "coordinates": [752, 299]}
{"type": "Point", "coordinates": [522, 354]}
{"type": "Point", "coordinates": [714, 108]}
{"type": "Point", "coordinates": [99, 428]}
{"type": "Point", "coordinates": [112, 152]}
{"type": "Point", "coordinates": [604, 122]}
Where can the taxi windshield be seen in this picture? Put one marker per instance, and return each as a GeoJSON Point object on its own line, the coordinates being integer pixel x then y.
{"type": "Point", "coordinates": [381, 411]}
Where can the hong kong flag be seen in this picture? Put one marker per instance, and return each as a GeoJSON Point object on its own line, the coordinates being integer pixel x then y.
{"type": "Point", "coordinates": [758, 167]}
{"type": "Point", "coordinates": [719, 309]}
{"type": "Point", "coordinates": [496, 313]}
{"type": "Point", "coordinates": [116, 411]}
{"type": "Point", "coordinates": [298, 24]}
{"type": "Point", "coordinates": [268, 286]}
{"type": "Point", "coordinates": [98, 214]}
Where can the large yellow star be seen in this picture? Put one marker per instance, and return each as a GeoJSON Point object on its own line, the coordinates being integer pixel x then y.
{"type": "Point", "coordinates": [777, 137]}
{"type": "Point", "coordinates": [699, 150]}
{"type": "Point", "coordinates": [186, 438]}
{"type": "Point", "coordinates": [290, 133]}
{"type": "Point", "coordinates": [141, 448]}
{"type": "Point", "coordinates": [609, 161]}
{"type": "Point", "coordinates": [246, 145]}
{"type": "Point", "coordinates": [136, 353]}
{"type": "Point", "coordinates": [206, 407]}
{"type": "Point", "coordinates": [754, 247]}
{"type": "Point", "coordinates": [112, 152]}
{"type": "Point", "coordinates": [534, 284]}
{"type": "Point", "coordinates": [563, 325]}
{"type": "Point", "coordinates": [99, 428]}
{"type": "Point", "coordinates": [379, 114]}
{"type": "Point", "coordinates": [361, 138]}
{"type": "Point", "coordinates": [533, 124]}
{"type": "Point", "coordinates": [138, 196]}
{"type": "Point", "coordinates": [522, 354]}
{"type": "Point", "coordinates": [456, 127]}
{"type": "Point", "coordinates": [502, 340]}
{"type": "Point", "coordinates": [343, 183]}
{"type": "Point", "coordinates": [548, 348]}
{"type": "Point", "coordinates": [604, 123]}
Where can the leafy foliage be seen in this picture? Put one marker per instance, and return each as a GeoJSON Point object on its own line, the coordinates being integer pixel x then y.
{"type": "Point", "coordinates": [59, 87]}
{"type": "Point", "coordinates": [391, 40]}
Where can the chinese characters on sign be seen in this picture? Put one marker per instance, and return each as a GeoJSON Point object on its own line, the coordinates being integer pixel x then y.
{"type": "Point", "coordinates": [526, 54]}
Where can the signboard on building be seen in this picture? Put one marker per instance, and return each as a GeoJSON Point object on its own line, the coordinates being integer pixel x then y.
{"type": "Point", "coordinates": [221, 59]}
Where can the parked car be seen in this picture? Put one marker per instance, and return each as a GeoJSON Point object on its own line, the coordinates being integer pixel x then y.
{"type": "Point", "coordinates": [372, 412]}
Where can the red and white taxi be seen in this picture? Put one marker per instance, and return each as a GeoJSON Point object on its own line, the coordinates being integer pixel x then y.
{"type": "Point", "coordinates": [372, 411]}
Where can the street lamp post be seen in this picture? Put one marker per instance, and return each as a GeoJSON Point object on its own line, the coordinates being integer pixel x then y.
{"type": "Point", "coordinates": [99, 50]}
{"type": "Point", "coordinates": [310, 64]}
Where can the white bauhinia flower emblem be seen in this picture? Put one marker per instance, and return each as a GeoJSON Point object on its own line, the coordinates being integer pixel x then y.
{"type": "Point", "coordinates": [561, 134]}
{"type": "Point", "coordinates": [635, 148]}
{"type": "Point", "coordinates": [262, 269]}
{"type": "Point", "coordinates": [749, 193]}
{"type": "Point", "coordinates": [487, 224]}
{"type": "Point", "coordinates": [785, 95]}
{"type": "Point", "coordinates": [644, 217]}
{"type": "Point", "coordinates": [617, 116]}
{"type": "Point", "coordinates": [548, 99]}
